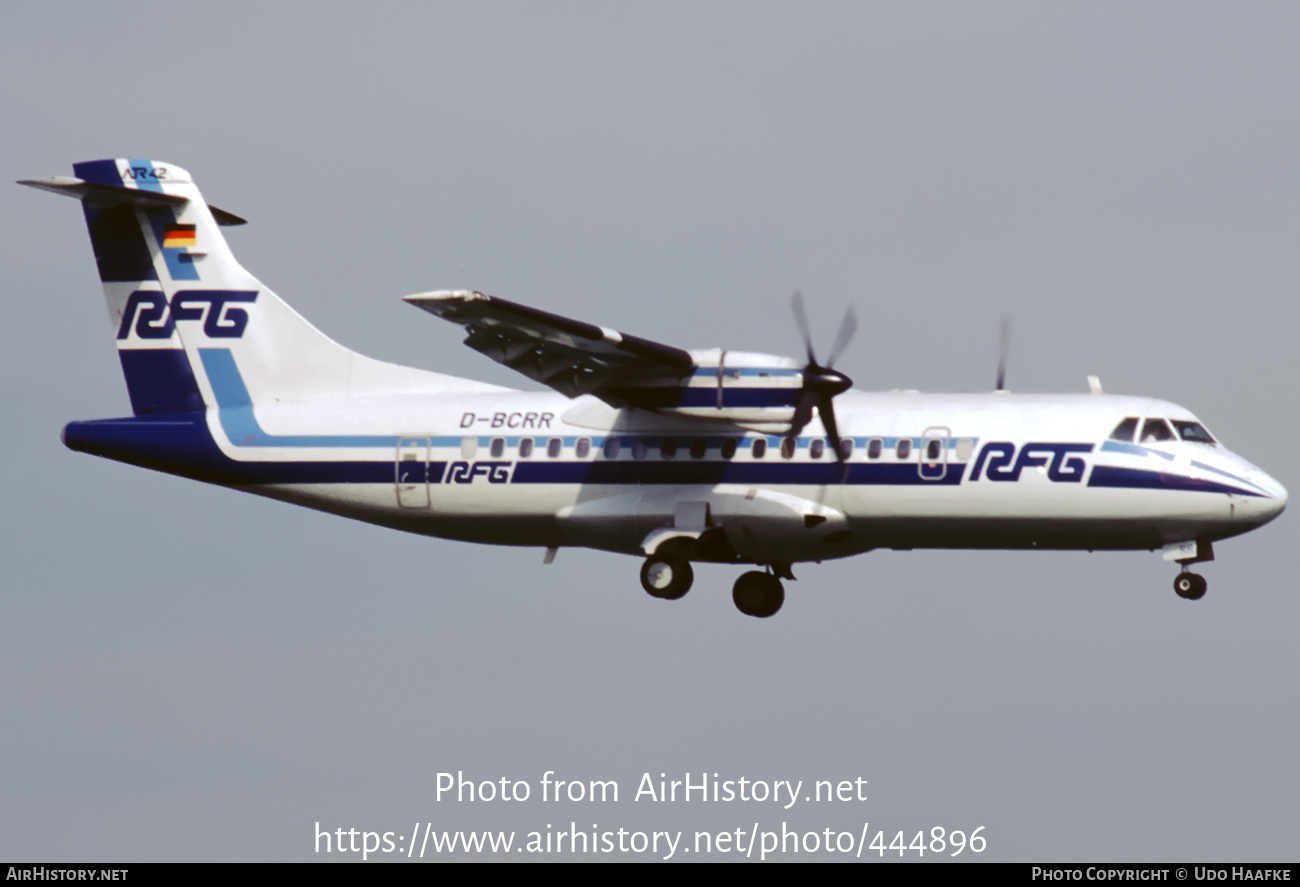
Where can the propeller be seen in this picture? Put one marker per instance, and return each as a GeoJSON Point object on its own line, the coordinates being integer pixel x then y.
{"type": "Point", "coordinates": [820, 382]}
{"type": "Point", "coordinates": [1003, 348]}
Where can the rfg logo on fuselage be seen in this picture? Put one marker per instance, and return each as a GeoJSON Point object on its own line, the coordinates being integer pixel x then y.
{"type": "Point", "coordinates": [1003, 464]}
{"type": "Point", "coordinates": [465, 472]}
{"type": "Point", "coordinates": [154, 318]}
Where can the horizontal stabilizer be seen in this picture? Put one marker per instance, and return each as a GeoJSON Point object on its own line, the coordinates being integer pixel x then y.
{"type": "Point", "coordinates": [98, 194]}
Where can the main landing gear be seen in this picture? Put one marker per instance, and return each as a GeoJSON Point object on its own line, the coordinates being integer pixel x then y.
{"type": "Point", "coordinates": [1190, 585]}
{"type": "Point", "coordinates": [666, 578]}
{"type": "Point", "coordinates": [755, 593]}
{"type": "Point", "coordinates": [758, 594]}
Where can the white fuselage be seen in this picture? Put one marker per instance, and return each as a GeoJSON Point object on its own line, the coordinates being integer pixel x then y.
{"type": "Point", "coordinates": [946, 471]}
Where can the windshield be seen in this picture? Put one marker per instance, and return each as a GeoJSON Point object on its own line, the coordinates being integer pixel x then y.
{"type": "Point", "coordinates": [1156, 430]}
{"type": "Point", "coordinates": [1193, 431]}
{"type": "Point", "coordinates": [1125, 429]}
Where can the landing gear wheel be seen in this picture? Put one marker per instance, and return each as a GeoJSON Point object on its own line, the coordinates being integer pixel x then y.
{"type": "Point", "coordinates": [758, 594]}
{"type": "Point", "coordinates": [1190, 586]}
{"type": "Point", "coordinates": [667, 579]}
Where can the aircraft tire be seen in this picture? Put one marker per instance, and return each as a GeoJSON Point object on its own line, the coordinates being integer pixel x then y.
{"type": "Point", "coordinates": [665, 578]}
{"type": "Point", "coordinates": [758, 594]}
{"type": "Point", "coordinates": [1190, 586]}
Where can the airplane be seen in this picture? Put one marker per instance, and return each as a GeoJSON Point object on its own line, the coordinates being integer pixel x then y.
{"type": "Point", "coordinates": [674, 456]}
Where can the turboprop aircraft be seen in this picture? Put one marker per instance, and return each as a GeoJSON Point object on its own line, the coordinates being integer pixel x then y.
{"type": "Point", "coordinates": [647, 449]}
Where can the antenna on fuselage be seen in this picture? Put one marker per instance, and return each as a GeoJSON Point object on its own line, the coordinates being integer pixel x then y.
{"type": "Point", "coordinates": [1003, 348]}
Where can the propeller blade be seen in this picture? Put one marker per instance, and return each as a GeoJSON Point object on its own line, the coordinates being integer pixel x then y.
{"type": "Point", "coordinates": [796, 302]}
{"type": "Point", "coordinates": [848, 327]}
{"type": "Point", "coordinates": [802, 413]}
{"type": "Point", "coordinates": [820, 383]}
{"type": "Point", "coordinates": [826, 409]}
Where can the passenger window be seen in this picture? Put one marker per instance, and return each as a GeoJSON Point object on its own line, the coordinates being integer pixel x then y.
{"type": "Point", "coordinates": [874, 448]}
{"type": "Point", "coordinates": [668, 448]}
{"type": "Point", "coordinates": [468, 447]}
{"type": "Point", "coordinates": [1193, 431]}
{"type": "Point", "coordinates": [904, 448]}
{"type": "Point", "coordinates": [498, 448]}
{"type": "Point", "coordinates": [1156, 430]}
{"type": "Point", "coordinates": [729, 448]}
{"type": "Point", "coordinates": [933, 450]}
{"type": "Point", "coordinates": [816, 448]}
{"type": "Point", "coordinates": [611, 448]}
{"type": "Point", "coordinates": [698, 448]}
{"type": "Point", "coordinates": [553, 448]}
{"type": "Point", "coordinates": [964, 448]}
{"type": "Point", "coordinates": [787, 448]}
{"type": "Point", "coordinates": [525, 448]}
{"type": "Point", "coordinates": [583, 448]}
{"type": "Point", "coordinates": [846, 447]}
{"type": "Point", "coordinates": [639, 449]}
{"type": "Point", "coordinates": [759, 449]}
{"type": "Point", "coordinates": [1125, 429]}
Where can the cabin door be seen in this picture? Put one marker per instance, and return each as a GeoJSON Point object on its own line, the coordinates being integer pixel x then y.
{"type": "Point", "coordinates": [413, 472]}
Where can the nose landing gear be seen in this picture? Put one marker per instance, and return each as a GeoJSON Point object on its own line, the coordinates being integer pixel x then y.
{"type": "Point", "coordinates": [1189, 585]}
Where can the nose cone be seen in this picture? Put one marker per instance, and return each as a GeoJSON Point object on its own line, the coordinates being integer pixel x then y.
{"type": "Point", "coordinates": [1277, 498]}
{"type": "Point", "coordinates": [1257, 499]}
{"type": "Point", "coordinates": [1261, 509]}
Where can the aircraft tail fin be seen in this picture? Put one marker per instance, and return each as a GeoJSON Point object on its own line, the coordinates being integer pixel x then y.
{"type": "Point", "coordinates": [180, 302]}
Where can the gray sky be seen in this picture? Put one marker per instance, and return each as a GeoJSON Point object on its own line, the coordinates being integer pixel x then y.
{"type": "Point", "coordinates": [188, 673]}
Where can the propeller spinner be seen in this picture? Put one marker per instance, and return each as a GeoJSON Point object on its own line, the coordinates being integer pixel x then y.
{"type": "Point", "coordinates": [822, 383]}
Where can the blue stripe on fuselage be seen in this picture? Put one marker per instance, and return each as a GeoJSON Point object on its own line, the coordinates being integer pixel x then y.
{"type": "Point", "coordinates": [729, 372]}
{"type": "Point", "coordinates": [1128, 449]}
{"type": "Point", "coordinates": [777, 473]}
{"type": "Point", "coordinates": [669, 397]}
{"type": "Point", "coordinates": [1138, 478]}
{"type": "Point", "coordinates": [181, 443]}
{"type": "Point", "coordinates": [235, 407]}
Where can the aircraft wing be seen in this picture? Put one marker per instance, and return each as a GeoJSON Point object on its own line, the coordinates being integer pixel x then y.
{"type": "Point", "coordinates": [568, 355]}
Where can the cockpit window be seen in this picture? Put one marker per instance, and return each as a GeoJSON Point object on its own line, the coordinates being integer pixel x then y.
{"type": "Point", "coordinates": [1156, 430]}
{"type": "Point", "coordinates": [1125, 430]}
{"type": "Point", "coordinates": [1193, 431]}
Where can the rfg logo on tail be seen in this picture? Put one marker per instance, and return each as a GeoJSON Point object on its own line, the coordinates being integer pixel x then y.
{"type": "Point", "coordinates": [154, 318]}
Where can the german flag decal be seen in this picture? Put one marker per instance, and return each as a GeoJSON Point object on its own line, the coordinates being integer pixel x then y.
{"type": "Point", "coordinates": [178, 235]}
